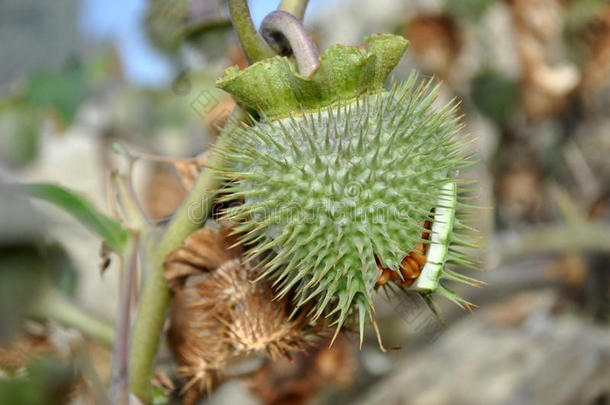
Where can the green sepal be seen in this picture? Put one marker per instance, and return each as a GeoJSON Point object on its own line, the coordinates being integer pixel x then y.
{"type": "Point", "coordinates": [275, 87]}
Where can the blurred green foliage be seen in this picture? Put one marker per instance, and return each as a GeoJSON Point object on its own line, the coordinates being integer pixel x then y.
{"type": "Point", "coordinates": [61, 92]}
{"type": "Point", "coordinates": [495, 95]}
{"type": "Point", "coordinates": [171, 23]}
{"type": "Point", "coordinates": [580, 12]}
{"type": "Point", "coordinates": [28, 262]}
{"type": "Point", "coordinates": [21, 283]}
{"type": "Point", "coordinates": [48, 382]}
{"type": "Point", "coordinates": [578, 26]}
{"type": "Point", "coordinates": [469, 10]}
{"type": "Point", "coordinates": [19, 132]}
{"type": "Point", "coordinates": [62, 270]}
{"type": "Point", "coordinates": [58, 94]}
{"type": "Point", "coordinates": [166, 21]}
{"type": "Point", "coordinates": [159, 398]}
{"type": "Point", "coordinates": [21, 260]}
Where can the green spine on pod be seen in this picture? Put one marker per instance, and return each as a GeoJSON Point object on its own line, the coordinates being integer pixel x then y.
{"type": "Point", "coordinates": [339, 177]}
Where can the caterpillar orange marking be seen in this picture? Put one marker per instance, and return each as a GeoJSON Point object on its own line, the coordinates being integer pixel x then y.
{"type": "Point", "coordinates": [411, 265]}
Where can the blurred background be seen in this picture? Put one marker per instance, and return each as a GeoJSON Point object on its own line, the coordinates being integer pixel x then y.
{"type": "Point", "coordinates": [533, 77]}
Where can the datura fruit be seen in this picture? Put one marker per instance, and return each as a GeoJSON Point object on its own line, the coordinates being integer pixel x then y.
{"type": "Point", "coordinates": [344, 186]}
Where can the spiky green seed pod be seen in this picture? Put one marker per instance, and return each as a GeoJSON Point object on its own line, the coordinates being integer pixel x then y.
{"type": "Point", "coordinates": [342, 185]}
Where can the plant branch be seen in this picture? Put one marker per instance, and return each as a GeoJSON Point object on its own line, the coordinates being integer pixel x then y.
{"type": "Point", "coordinates": [55, 306]}
{"type": "Point", "coordinates": [119, 378]}
{"type": "Point", "coordinates": [294, 7]}
{"type": "Point", "coordinates": [280, 27]}
{"type": "Point", "coordinates": [89, 373]}
{"type": "Point", "coordinates": [155, 296]}
{"type": "Point", "coordinates": [253, 45]}
{"type": "Point", "coordinates": [133, 214]}
{"type": "Point", "coordinates": [582, 236]}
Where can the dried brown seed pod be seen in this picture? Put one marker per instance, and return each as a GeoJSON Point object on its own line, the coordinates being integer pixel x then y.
{"type": "Point", "coordinates": [203, 251]}
{"type": "Point", "coordinates": [220, 314]}
{"type": "Point", "coordinates": [259, 323]}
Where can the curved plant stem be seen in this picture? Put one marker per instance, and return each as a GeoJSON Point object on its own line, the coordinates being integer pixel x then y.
{"type": "Point", "coordinates": [280, 26]}
{"type": "Point", "coordinates": [55, 306]}
{"type": "Point", "coordinates": [294, 7]}
{"type": "Point", "coordinates": [253, 45]}
{"type": "Point", "coordinates": [155, 296]}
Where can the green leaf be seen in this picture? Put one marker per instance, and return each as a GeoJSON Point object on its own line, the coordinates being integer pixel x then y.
{"type": "Point", "coordinates": [61, 92]}
{"type": "Point", "coordinates": [19, 132]}
{"type": "Point", "coordinates": [49, 381]}
{"type": "Point", "coordinates": [110, 230]}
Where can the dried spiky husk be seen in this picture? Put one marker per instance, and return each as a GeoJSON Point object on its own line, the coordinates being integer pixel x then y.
{"type": "Point", "coordinates": [332, 191]}
{"type": "Point", "coordinates": [220, 314]}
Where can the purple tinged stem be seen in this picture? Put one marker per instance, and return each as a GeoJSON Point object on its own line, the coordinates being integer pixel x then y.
{"type": "Point", "coordinates": [281, 24]}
